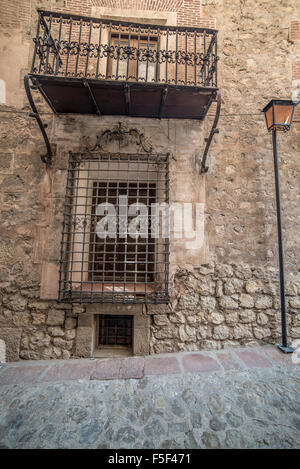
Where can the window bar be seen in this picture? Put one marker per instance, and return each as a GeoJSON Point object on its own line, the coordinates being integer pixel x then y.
{"type": "Point", "coordinates": [74, 230]}
{"type": "Point", "coordinates": [195, 57]}
{"type": "Point", "coordinates": [157, 244]}
{"type": "Point", "coordinates": [209, 69]}
{"type": "Point", "coordinates": [176, 58]}
{"type": "Point", "coordinates": [117, 228]}
{"type": "Point", "coordinates": [58, 62]}
{"type": "Point", "coordinates": [128, 52]}
{"type": "Point", "coordinates": [48, 44]}
{"type": "Point", "coordinates": [66, 229]}
{"type": "Point", "coordinates": [78, 48]}
{"type": "Point", "coordinates": [115, 332]}
{"type": "Point", "coordinates": [167, 54]}
{"type": "Point", "coordinates": [36, 44]}
{"type": "Point", "coordinates": [108, 52]}
{"type": "Point", "coordinates": [88, 49]}
{"type": "Point", "coordinates": [186, 56]}
{"type": "Point", "coordinates": [126, 235]}
{"type": "Point", "coordinates": [84, 261]}
{"type": "Point", "coordinates": [91, 256]}
{"type": "Point", "coordinates": [138, 54]}
{"type": "Point", "coordinates": [119, 52]}
{"type": "Point", "coordinates": [216, 62]}
{"type": "Point", "coordinates": [99, 50]}
{"type": "Point", "coordinates": [147, 242]}
{"type": "Point", "coordinates": [167, 240]}
{"type": "Point", "coordinates": [134, 256]}
{"type": "Point", "coordinates": [43, 38]}
{"type": "Point", "coordinates": [105, 238]}
{"type": "Point", "coordinates": [157, 56]}
{"type": "Point", "coordinates": [54, 56]}
{"type": "Point", "coordinates": [69, 46]}
{"type": "Point", "coordinates": [204, 56]}
{"type": "Point", "coordinates": [148, 52]}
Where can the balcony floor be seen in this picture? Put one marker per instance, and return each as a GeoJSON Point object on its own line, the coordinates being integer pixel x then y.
{"type": "Point", "coordinates": [110, 97]}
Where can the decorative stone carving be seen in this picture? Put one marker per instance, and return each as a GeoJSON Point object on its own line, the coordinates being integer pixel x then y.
{"type": "Point", "coordinates": [123, 137]}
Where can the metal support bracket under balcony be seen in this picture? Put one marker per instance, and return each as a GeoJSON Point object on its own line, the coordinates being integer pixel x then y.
{"type": "Point", "coordinates": [127, 99]}
{"type": "Point", "coordinates": [92, 97]}
{"type": "Point", "coordinates": [162, 101]}
{"type": "Point", "coordinates": [213, 131]}
{"type": "Point", "coordinates": [45, 158]}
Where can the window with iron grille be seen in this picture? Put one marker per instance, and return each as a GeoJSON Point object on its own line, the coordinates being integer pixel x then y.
{"type": "Point", "coordinates": [115, 243]}
{"type": "Point", "coordinates": [115, 330]}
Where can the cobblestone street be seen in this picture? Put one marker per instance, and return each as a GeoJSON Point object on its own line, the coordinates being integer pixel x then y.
{"type": "Point", "coordinates": [242, 398]}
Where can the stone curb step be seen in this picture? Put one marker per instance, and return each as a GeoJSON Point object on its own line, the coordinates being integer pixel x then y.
{"type": "Point", "coordinates": [138, 367]}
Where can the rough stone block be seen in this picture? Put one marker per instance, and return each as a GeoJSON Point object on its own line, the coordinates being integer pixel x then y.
{"type": "Point", "coordinates": [84, 342]}
{"type": "Point", "coordinates": [141, 341]}
{"type": "Point", "coordinates": [246, 300]}
{"type": "Point", "coordinates": [264, 302]}
{"type": "Point", "coordinates": [221, 332]}
{"type": "Point", "coordinates": [2, 351]}
{"type": "Point", "coordinates": [158, 309]}
{"type": "Point", "coordinates": [254, 286]}
{"type": "Point", "coordinates": [12, 339]}
{"type": "Point", "coordinates": [55, 317]}
{"type": "Point", "coordinates": [70, 323]}
{"type": "Point", "coordinates": [295, 302]}
{"type": "Point", "coordinates": [114, 309]}
{"type": "Point", "coordinates": [141, 321]}
{"type": "Point", "coordinates": [85, 320]}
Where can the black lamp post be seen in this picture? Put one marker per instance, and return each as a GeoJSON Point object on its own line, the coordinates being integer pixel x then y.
{"type": "Point", "coordinates": [279, 115]}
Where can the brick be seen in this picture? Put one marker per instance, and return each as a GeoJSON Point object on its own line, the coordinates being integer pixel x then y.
{"type": "Point", "coordinates": [107, 369]}
{"type": "Point", "coordinates": [198, 362]}
{"type": "Point", "coordinates": [70, 371]}
{"type": "Point", "coordinates": [253, 359]}
{"type": "Point", "coordinates": [161, 366]}
{"type": "Point", "coordinates": [295, 30]}
{"type": "Point", "coordinates": [21, 374]}
{"type": "Point", "coordinates": [132, 368]}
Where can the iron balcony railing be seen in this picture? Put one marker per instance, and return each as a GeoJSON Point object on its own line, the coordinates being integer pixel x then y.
{"type": "Point", "coordinates": [75, 46]}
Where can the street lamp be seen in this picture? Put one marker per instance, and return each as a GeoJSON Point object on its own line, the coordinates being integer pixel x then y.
{"type": "Point", "coordinates": [279, 116]}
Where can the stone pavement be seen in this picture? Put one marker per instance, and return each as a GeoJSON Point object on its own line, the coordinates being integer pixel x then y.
{"type": "Point", "coordinates": [238, 398]}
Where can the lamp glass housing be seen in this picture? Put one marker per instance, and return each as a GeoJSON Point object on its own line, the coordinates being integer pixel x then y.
{"type": "Point", "coordinates": [279, 114]}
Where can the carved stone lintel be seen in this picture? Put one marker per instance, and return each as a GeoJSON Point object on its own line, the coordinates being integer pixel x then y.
{"type": "Point", "coordinates": [124, 137]}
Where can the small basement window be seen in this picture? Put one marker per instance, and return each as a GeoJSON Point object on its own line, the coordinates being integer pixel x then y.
{"type": "Point", "coordinates": [115, 330]}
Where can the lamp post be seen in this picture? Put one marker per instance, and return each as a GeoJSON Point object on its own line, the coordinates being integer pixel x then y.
{"type": "Point", "coordinates": [279, 115]}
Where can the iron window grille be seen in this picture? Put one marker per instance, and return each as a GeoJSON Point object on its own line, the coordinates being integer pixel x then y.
{"type": "Point", "coordinates": [115, 330]}
{"type": "Point", "coordinates": [127, 194]}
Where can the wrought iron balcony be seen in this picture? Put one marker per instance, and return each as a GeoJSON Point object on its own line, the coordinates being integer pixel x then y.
{"type": "Point", "coordinates": [88, 65]}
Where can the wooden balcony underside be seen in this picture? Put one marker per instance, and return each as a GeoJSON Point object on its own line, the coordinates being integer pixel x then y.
{"type": "Point", "coordinates": [111, 97]}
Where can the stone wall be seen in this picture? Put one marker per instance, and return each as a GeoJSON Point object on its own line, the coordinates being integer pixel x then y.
{"type": "Point", "coordinates": [223, 305]}
{"type": "Point", "coordinates": [227, 293]}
